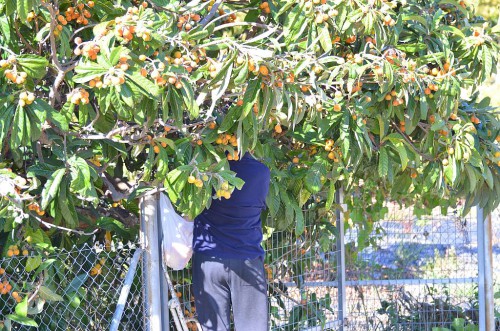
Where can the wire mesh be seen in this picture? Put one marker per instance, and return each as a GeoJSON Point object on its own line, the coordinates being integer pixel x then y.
{"type": "Point", "coordinates": [73, 289]}
{"type": "Point", "coordinates": [419, 273]}
{"type": "Point", "coordinates": [301, 272]}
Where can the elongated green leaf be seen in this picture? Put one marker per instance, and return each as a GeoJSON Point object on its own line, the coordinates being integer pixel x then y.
{"type": "Point", "coordinates": [324, 37]}
{"type": "Point", "coordinates": [51, 187]}
{"type": "Point", "coordinates": [189, 99]}
{"type": "Point", "coordinates": [313, 179]}
{"type": "Point", "coordinates": [250, 96]}
{"type": "Point", "coordinates": [383, 163]}
{"type": "Point", "coordinates": [35, 66]}
{"type": "Point", "coordinates": [22, 307]}
{"type": "Point", "coordinates": [49, 295]}
{"type": "Point", "coordinates": [33, 262]}
{"type": "Point", "coordinates": [22, 320]}
{"type": "Point", "coordinates": [144, 85]}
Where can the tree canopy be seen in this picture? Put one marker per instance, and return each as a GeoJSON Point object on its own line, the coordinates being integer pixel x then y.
{"type": "Point", "coordinates": [101, 101]}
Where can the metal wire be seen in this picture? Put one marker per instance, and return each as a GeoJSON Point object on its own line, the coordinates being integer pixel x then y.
{"type": "Point", "coordinates": [75, 289]}
{"type": "Point", "coordinates": [418, 273]}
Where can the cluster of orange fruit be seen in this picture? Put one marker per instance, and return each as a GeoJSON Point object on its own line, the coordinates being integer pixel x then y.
{"type": "Point", "coordinates": [389, 21]}
{"type": "Point", "coordinates": [430, 88]}
{"type": "Point", "coordinates": [96, 160]}
{"type": "Point", "coordinates": [189, 313]}
{"type": "Point", "coordinates": [321, 18]}
{"type": "Point", "coordinates": [229, 18]}
{"type": "Point", "coordinates": [227, 138]}
{"type": "Point", "coordinates": [13, 250]}
{"type": "Point", "coordinates": [402, 126]}
{"type": "Point", "coordinates": [36, 208]}
{"type": "Point", "coordinates": [79, 14]}
{"type": "Point", "coordinates": [393, 96]}
{"type": "Point", "coordinates": [278, 129]}
{"type": "Point", "coordinates": [189, 61]}
{"type": "Point", "coordinates": [97, 269]}
{"type": "Point", "coordinates": [79, 96]}
{"type": "Point", "coordinates": [125, 25]}
{"type": "Point", "coordinates": [187, 21]}
{"type": "Point", "coordinates": [197, 181]}
{"type": "Point", "coordinates": [17, 77]}
{"type": "Point", "coordinates": [234, 156]}
{"type": "Point", "coordinates": [474, 119]}
{"type": "Point", "coordinates": [31, 16]}
{"type": "Point", "coordinates": [224, 191]}
{"type": "Point", "coordinates": [332, 153]}
{"type": "Point", "coordinates": [5, 288]}
{"type": "Point", "coordinates": [265, 7]}
{"type": "Point", "coordinates": [90, 49]}
{"type": "Point", "coordinates": [114, 77]}
{"type": "Point", "coordinates": [26, 98]}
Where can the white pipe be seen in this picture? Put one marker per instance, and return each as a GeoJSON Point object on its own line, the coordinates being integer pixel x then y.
{"type": "Point", "coordinates": [122, 300]}
{"type": "Point", "coordinates": [481, 264]}
{"type": "Point", "coordinates": [152, 259]}
{"type": "Point", "coordinates": [488, 275]}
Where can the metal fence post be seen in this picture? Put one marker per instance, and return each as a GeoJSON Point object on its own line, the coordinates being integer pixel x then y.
{"type": "Point", "coordinates": [163, 280]}
{"type": "Point", "coordinates": [342, 304]}
{"type": "Point", "coordinates": [122, 300]}
{"type": "Point", "coordinates": [152, 263]}
{"type": "Point", "coordinates": [481, 268]}
{"type": "Point", "coordinates": [488, 275]}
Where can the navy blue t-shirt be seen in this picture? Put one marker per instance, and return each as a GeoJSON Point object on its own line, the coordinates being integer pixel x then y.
{"type": "Point", "coordinates": [231, 228]}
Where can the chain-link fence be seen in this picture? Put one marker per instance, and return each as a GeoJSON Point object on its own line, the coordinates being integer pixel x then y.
{"type": "Point", "coordinates": [294, 266]}
{"type": "Point", "coordinates": [70, 290]}
{"type": "Point", "coordinates": [417, 273]}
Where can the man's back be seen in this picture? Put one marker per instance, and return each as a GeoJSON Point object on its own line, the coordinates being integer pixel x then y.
{"type": "Point", "coordinates": [232, 228]}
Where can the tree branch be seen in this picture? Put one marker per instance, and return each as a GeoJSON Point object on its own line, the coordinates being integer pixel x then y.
{"type": "Point", "coordinates": [412, 145]}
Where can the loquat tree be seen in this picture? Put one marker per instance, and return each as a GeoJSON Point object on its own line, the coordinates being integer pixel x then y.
{"type": "Point", "coordinates": [101, 101]}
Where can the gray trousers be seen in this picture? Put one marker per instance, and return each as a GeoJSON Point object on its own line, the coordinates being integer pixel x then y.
{"type": "Point", "coordinates": [221, 284]}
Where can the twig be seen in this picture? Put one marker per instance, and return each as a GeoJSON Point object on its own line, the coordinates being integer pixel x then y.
{"type": "Point", "coordinates": [230, 25]}
{"type": "Point", "coordinates": [33, 295]}
{"type": "Point", "coordinates": [276, 289]}
{"type": "Point", "coordinates": [25, 42]}
{"type": "Point", "coordinates": [50, 225]}
{"type": "Point", "coordinates": [80, 29]}
{"type": "Point", "coordinates": [424, 156]}
{"type": "Point", "coordinates": [212, 12]}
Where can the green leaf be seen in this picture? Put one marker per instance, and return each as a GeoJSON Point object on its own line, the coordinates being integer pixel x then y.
{"type": "Point", "coordinates": [33, 262]}
{"type": "Point", "coordinates": [110, 224]}
{"type": "Point", "coordinates": [313, 179]}
{"type": "Point", "coordinates": [189, 99]}
{"type": "Point", "coordinates": [22, 307]}
{"type": "Point", "coordinates": [53, 116]}
{"type": "Point", "coordinates": [49, 295]}
{"type": "Point", "coordinates": [35, 66]}
{"type": "Point", "coordinates": [416, 18]}
{"type": "Point", "coordinates": [249, 97]}
{"type": "Point", "coordinates": [299, 220]}
{"type": "Point", "coordinates": [22, 320]}
{"type": "Point", "coordinates": [19, 134]}
{"type": "Point", "coordinates": [87, 71]}
{"type": "Point", "coordinates": [403, 156]}
{"type": "Point", "coordinates": [383, 163]}
{"type": "Point", "coordinates": [51, 187]}
{"type": "Point", "coordinates": [144, 85]}
{"type": "Point", "coordinates": [324, 37]}
{"type": "Point", "coordinates": [119, 105]}
{"type": "Point", "coordinates": [66, 206]}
